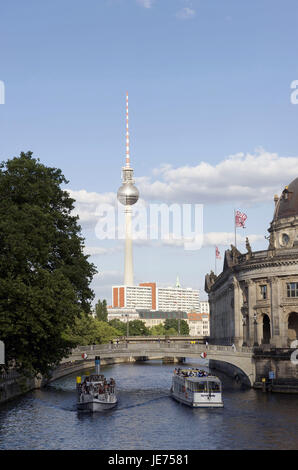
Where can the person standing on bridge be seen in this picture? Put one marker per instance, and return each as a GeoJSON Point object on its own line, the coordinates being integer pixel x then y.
{"type": "Point", "coordinates": [206, 344]}
{"type": "Point", "coordinates": [233, 347]}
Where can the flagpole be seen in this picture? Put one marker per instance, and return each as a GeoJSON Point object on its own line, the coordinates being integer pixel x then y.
{"type": "Point", "coordinates": [215, 260]}
{"type": "Point", "coordinates": [235, 227]}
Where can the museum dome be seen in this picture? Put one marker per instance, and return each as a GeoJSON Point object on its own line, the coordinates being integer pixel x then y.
{"type": "Point", "coordinates": [287, 204]}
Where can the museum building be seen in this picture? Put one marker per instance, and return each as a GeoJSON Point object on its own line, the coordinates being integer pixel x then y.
{"type": "Point", "coordinates": [254, 301]}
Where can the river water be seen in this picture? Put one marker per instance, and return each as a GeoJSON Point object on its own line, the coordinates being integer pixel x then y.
{"type": "Point", "coordinates": [146, 417]}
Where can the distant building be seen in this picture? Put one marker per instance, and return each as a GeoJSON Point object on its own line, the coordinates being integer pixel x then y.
{"type": "Point", "coordinates": [133, 297]}
{"type": "Point", "coordinates": [170, 298]}
{"type": "Point", "coordinates": [203, 306]}
{"type": "Point", "coordinates": [154, 318]}
{"type": "Point", "coordinates": [199, 324]}
{"type": "Point", "coordinates": [148, 296]}
{"type": "Point", "coordinates": [122, 314]}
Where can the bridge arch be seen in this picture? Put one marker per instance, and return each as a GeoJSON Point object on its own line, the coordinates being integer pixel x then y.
{"type": "Point", "coordinates": [234, 363]}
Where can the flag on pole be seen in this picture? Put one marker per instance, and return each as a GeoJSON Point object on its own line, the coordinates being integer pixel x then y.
{"type": "Point", "coordinates": [240, 219]}
{"type": "Point", "coordinates": [217, 253]}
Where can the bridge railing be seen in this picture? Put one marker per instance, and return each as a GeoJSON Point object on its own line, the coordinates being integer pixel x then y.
{"type": "Point", "coordinates": [157, 346]}
{"type": "Point", "coordinates": [10, 375]}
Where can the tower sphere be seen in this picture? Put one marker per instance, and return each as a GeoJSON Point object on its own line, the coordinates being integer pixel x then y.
{"type": "Point", "coordinates": [128, 194]}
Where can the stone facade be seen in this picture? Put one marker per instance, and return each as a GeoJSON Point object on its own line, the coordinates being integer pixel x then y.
{"type": "Point", "coordinates": [254, 301]}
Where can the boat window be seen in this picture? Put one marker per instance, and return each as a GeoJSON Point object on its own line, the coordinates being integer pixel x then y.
{"type": "Point", "coordinates": [214, 386]}
{"type": "Point", "coordinates": [200, 387]}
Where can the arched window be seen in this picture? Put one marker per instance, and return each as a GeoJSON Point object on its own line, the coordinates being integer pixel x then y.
{"type": "Point", "coordinates": [266, 330]}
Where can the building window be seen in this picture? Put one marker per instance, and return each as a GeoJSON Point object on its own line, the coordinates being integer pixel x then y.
{"type": "Point", "coordinates": [264, 292]}
{"type": "Point", "coordinates": [292, 289]}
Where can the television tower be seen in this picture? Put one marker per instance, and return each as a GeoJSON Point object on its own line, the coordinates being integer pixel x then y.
{"type": "Point", "coordinates": [128, 195]}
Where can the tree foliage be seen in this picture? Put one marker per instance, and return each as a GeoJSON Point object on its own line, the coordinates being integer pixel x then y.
{"type": "Point", "coordinates": [101, 310]}
{"type": "Point", "coordinates": [138, 328]}
{"type": "Point", "coordinates": [135, 327]}
{"type": "Point", "coordinates": [119, 326]}
{"type": "Point", "coordinates": [88, 330]}
{"type": "Point", "coordinates": [158, 330]}
{"type": "Point", "coordinates": [173, 325]}
{"type": "Point", "coordinates": [45, 277]}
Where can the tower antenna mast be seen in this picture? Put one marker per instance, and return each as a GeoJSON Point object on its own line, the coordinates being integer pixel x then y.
{"type": "Point", "coordinates": [127, 135]}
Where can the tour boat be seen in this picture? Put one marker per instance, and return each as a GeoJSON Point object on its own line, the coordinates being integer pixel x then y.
{"type": "Point", "coordinates": [95, 393]}
{"type": "Point", "coordinates": [196, 388]}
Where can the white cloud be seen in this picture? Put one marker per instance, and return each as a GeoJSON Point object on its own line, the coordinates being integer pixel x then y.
{"type": "Point", "coordinates": [228, 238]}
{"type": "Point", "coordinates": [239, 179]}
{"type": "Point", "coordinates": [186, 13]}
{"type": "Point", "coordinates": [86, 204]}
{"type": "Point", "coordinates": [242, 178]}
{"type": "Point", "coordinates": [145, 3]}
{"type": "Point", "coordinates": [99, 250]}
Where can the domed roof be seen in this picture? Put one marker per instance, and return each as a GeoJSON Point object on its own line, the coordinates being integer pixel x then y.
{"type": "Point", "coordinates": [287, 205]}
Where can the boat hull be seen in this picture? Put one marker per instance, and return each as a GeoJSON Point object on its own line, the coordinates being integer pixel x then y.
{"type": "Point", "coordinates": [96, 405]}
{"type": "Point", "coordinates": [197, 404]}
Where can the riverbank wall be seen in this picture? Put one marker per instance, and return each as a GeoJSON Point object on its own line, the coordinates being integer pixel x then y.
{"type": "Point", "coordinates": [275, 370]}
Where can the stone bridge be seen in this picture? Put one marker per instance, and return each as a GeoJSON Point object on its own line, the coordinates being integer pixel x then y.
{"type": "Point", "coordinates": [236, 363]}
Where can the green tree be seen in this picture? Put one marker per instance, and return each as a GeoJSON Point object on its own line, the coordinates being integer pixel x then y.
{"type": "Point", "coordinates": [81, 331]}
{"type": "Point", "coordinates": [138, 328]}
{"type": "Point", "coordinates": [135, 327]}
{"type": "Point", "coordinates": [119, 325]}
{"type": "Point", "coordinates": [105, 332]}
{"type": "Point", "coordinates": [158, 330]}
{"type": "Point", "coordinates": [45, 277]}
{"type": "Point", "coordinates": [171, 332]}
{"type": "Point", "coordinates": [184, 327]}
{"type": "Point", "coordinates": [172, 323]}
{"type": "Point", "coordinates": [101, 310]}
{"type": "Point", "coordinates": [88, 330]}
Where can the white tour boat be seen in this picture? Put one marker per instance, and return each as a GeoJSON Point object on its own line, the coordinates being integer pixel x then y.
{"type": "Point", "coordinates": [196, 388]}
{"type": "Point", "coordinates": [95, 393]}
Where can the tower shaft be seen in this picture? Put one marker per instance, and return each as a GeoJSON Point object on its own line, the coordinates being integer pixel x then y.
{"type": "Point", "coordinates": [128, 259]}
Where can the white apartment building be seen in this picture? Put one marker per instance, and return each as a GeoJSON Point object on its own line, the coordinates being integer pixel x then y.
{"type": "Point", "coordinates": [132, 297]}
{"type": "Point", "coordinates": [203, 306]}
{"type": "Point", "coordinates": [149, 296]}
{"type": "Point", "coordinates": [177, 298]}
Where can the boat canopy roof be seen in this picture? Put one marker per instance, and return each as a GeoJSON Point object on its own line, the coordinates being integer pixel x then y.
{"type": "Point", "coordinates": [194, 375]}
{"type": "Point", "coordinates": [210, 378]}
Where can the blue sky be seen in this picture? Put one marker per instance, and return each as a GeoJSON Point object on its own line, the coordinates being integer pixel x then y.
{"type": "Point", "coordinates": [211, 120]}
